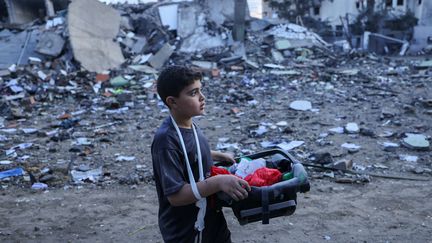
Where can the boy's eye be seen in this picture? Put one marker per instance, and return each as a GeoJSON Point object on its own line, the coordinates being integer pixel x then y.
{"type": "Point", "coordinates": [195, 92]}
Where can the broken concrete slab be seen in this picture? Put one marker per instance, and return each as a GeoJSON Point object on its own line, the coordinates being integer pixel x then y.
{"type": "Point", "coordinates": [277, 56]}
{"type": "Point", "coordinates": [285, 72]}
{"type": "Point", "coordinates": [92, 28]}
{"type": "Point", "coordinates": [282, 44]}
{"type": "Point", "coordinates": [221, 11]}
{"type": "Point", "coordinates": [351, 147]}
{"type": "Point", "coordinates": [259, 24]}
{"type": "Point", "coordinates": [297, 36]}
{"type": "Point", "coordinates": [301, 105]}
{"type": "Point", "coordinates": [352, 127]}
{"type": "Point", "coordinates": [17, 48]}
{"type": "Point", "coordinates": [143, 69]}
{"type": "Point", "coordinates": [50, 44]}
{"type": "Point", "coordinates": [168, 15]}
{"type": "Point", "coordinates": [423, 64]}
{"type": "Point", "coordinates": [187, 21]}
{"type": "Point", "coordinates": [344, 164]}
{"type": "Point", "coordinates": [416, 141]}
{"type": "Point", "coordinates": [139, 45]}
{"type": "Point", "coordinates": [420, 37]}
{"type": "Point", "coordinates": [158, 59]}
{"type": "Point", "coordinates": [389, 146]}
{"type": "Point", "coordinates": [201, 41]}
{"type": "Point", "coordinates": [204, 64]}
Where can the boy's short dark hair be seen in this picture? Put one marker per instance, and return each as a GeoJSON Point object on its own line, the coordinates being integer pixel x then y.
{"type": "Point", "coordinates": [173, 79]}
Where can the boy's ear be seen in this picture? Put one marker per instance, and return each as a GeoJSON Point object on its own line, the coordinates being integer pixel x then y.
{"type": "Point", "coordinates": [170, 100]}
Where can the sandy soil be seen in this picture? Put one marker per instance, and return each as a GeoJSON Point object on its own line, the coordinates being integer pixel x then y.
{"type": "Point", "coordinates": [381, 211]}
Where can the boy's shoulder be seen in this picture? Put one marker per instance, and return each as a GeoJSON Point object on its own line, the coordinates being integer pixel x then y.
{"type": "Point", "coordinates": [165, 133]}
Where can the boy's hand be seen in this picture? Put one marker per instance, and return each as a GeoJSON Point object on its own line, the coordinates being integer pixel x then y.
{"type": "Point", "coordinates": [223, 157]}
{"type": "Point", "coordinates": [234, 186]}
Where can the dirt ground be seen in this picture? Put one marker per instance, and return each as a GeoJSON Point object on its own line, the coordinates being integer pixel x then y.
{"type": "Point", "coordinates": [122, 205]}
{"type": "Point", "coordinates": [381, 211]}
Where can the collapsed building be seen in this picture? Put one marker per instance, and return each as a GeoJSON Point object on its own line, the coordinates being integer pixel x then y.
{"type": "Point", "coordinates": [342, 17]}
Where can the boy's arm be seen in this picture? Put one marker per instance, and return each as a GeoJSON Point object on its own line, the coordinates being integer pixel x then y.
{"type": "Point", "coordinates": [234, 186]}
{"type": "Point", "coordinates": [223, 157]}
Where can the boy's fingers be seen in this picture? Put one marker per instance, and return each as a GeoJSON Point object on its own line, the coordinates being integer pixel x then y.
{"type": "Point", "coordinates": [244, 184]}
{"type": "Point", "coordinates": [240, 194]}
{"type": "Point", "coordinates": [234, 196]}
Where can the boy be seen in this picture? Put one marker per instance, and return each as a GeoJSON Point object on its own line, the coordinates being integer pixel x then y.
{"type": "Point", "coordinates": [184, 213]}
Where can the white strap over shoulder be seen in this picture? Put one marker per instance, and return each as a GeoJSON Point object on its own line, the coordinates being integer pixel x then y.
{"type": "Point", "coordinates": [202, 202]}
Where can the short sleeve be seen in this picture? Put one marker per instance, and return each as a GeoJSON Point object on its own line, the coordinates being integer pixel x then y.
{"type": "Point", "coordinates": [169, 168]}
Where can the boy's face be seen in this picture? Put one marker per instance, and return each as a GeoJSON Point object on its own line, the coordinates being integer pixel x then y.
{"type": "Point", "coordinates": [191, 101]}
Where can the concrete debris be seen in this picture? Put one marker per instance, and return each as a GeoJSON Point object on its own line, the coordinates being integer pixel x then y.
{"type": "Point", "coordinates": [168, 15]}
{"type": "Point", "coordinates": [344, 164]}
{"type": "Point", "coordinates": [301, 105]}
{"type": "Point", "coordinates": [351, 147]}
{"type": "Point", "coordinates": [50, 44]}
{"type": "Point", "coordinates": [201, 41]}
{"type": "Point", "coordinates": [96, 65]}
{"type": "Point", "coordinates": [91, 35]}
{"type": "Point", "coordinates": [390, 147]}
{"type": "Point", "coordinates": [187, 22]}
{"type": "Point", "coordinates": [352, 128]}
{"type": "Point", "coordinates": [159, 59]}
{"type": "Point", "coordinates": [86, 176]}
{"type": "Point", "coordinates": [416, 141]}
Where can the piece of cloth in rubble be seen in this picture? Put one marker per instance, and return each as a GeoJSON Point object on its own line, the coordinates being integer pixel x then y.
{"type": "Point", "coordinates": [264, 177]}
{"type": "Point", "coordinates": [177, 223]}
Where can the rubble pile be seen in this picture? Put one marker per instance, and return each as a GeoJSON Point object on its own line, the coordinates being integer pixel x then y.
{"type": "Point", "coordinates": [79, 103]}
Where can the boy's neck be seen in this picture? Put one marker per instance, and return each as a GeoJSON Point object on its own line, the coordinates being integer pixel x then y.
{"type": "Point", "coordinates": [183, 122]}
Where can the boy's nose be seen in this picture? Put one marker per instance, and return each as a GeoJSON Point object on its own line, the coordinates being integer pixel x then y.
{"type": "Point", "coordinates": [202, 96]}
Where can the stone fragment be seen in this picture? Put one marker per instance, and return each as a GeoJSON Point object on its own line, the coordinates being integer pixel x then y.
{"type": "Point", "coordinates": [283, 44]}
{"type": "Point", "coordinates": [158, 60]}
{"type": "Point", "coordinates": [321, 158]}
{"type": "Point", "coordinates": [301, 105]}
{"type": "Point", "coordinates": [352, 128]}
{"type": "Point", "coordinates": [416, 141]}
{"type": "Point", "coordinates": [344, 164]}
{"type": "Point", "coordinates": [336, 130]}
{"type": "Point", "coordinates": [92, 27]}
{"type": "Point", "coordinates": [351, 147]}
{"type": "Point", "coordinates": [390, 147]}
{"type": "Point", "coordinates": [50, 44]}
{"type": "Point", "coordinates": [408, 158]}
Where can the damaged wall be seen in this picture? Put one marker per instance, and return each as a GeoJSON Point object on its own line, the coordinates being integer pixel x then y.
{"type": "Point", "coordinates": [223, 10]}
{"type": "Point", "coordinates": [24, 11]}
{"type": "Point", "coordinates": [327, 11]}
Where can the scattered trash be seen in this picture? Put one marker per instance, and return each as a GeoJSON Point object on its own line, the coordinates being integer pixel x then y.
{"type": "Point", "coordinates": [100, 76]}
{"type": "Point", "coordinates": [39, 186]}
{"type": "Point", "coordinates": [390, 147]}
{"type": "Point", "coordinates": [125, 158]}
{"type": "Point", "coordinates": [11, 173]}
{"type": "Point", "coordinates": [408, 158]}
{"type": "Point", "coordinates": [86, 176]}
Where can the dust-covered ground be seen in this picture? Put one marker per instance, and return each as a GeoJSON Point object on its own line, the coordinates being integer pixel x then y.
{"type": "Point", "coordinates": [121, 205]}
{"type": "Point", "coordinates": [381, 211]}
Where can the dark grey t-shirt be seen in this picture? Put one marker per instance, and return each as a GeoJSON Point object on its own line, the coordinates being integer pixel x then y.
{"type": "Point", "coordinates": [177, 223]}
